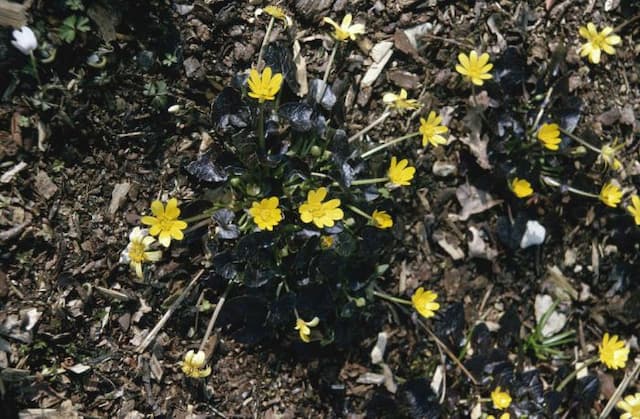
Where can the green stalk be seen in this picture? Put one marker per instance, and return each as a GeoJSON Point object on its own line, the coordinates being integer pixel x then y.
{"type": "Point", "coordinates": [581, 141]}
{"type": "Point", "coordinates": [261, 142]}
{"type": "Point", "coordinates": [34, 67]}
{"type": "Point", "coordinates": [369, 181]}
{"type": "Point", "coordinates": [391, 298]}
{"type": "Point", "coordinates": [388, 144]}
{"type": "Point", "coordinates": [553, 182]}
{"type": "Point", "coordinates": [575, 372]}
{"type": "Point", "coordinates": [214, 316]}
{"type": "Point", "coordinates": [360, 212]}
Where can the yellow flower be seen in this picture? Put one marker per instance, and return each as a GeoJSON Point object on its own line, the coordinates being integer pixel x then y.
{"type": "Point", "coordinates": [278, 13]}
{"type": "Point", "coordinates": [474, 68]}
{"type": "Point", "coordinates": [597, 42]}
{"type": "Point", "coordinates": [326, 242]}
{"type": "Point", "coordinates": [549, 136]}
{"type": "Point", "coordinates": [266, 213]}
{"type": "Point", "coordinates": [264, 86]}
{"type": "Point", "coordinates": [400, 102]}
{"type": "Point", "coordinates": [501, 399]}
{"type": "Point", "coordinates": [400, 173]}
{"type": "Point", "coordinates": [521, 188]}
{"type": "Point", "coordinates": [136, 252]}
{"type": "Point", "coordinates": [613, 352]}
{"type": "Point", "coordinates": [431, 129]}
{"type": "Point", "coordinates": [345, 30]}
{"type": "Point", "coordinates": [608, 155]}
{"type": "Point", "coordinates": [322, 214]}
{"type": "Point", "coordinates": [304, 328]}
{"type": "Point", "coordinates": [165, 222]}
{"type": "Point", "coordinates": [381, 219]}
{"type": "Point", "coordinates": [611, 195]}
{"type": "Point", "coordinates": [193, 364]}
{"type": "Point", "coordinates": [631, 406]}
{"type": "Point", "coordinates": [634, 209]}
{"type": "Point", "coordinates": [424, 302]}
{"type": "Point", "coordinates": [505, 415]}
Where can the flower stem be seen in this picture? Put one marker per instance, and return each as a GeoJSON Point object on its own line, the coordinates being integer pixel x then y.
{"type": "Point", "coordinates": [206, 214]}
{"type": "Point", "coordinates": [543, 106]}
{"type": "Point", "coordinates": [261, 142]}
{"type": "Point", "coordinates": [360, 212]}
{"type": "Point", "coordinates": [388, 144]}
{"type": "Point", "coordinates": [580, 140]}
{"type": "Point", "coordinates": [214, 316]}
{"type": "Point", "coordinates": [575, 372]}
{"type": "Point", "coordinates": [265, 40]}
{"type": "Point", "coordinates": [369, 127]}
{"type": "Point", "coordinates": [325, 78]}
{"type": "Point", "coordinates": [553, 182]}
{"type": "Point", "coordinates": [369, 181]}
{"type": "Point", "coordinates": [34, 67]}
{"type": "Point", "coordinates": [391, 298]}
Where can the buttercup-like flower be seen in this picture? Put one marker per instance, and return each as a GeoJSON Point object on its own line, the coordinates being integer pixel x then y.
{"type": "Point", "coordinates": [345, 30]}
{"type": "Point", "coordinates": [505, 415]}
{"type": "Point", "coordinates": [608, 155]}
{"type": "Point", "coordinates": [264, 86]}
{"type": "Point", "coordinates": [501, 399]}
{"type": "Point", "coordinates": [193, 364]}
{"type": "Point", "coordinates": [24, 40]}
{"type": "Point", "coordinates": [400, 102]}
{"type": "Point", "coordinates": [164, 222]}
{"type": "Point", "coordinates": [400, 173]}
{"type": "Point", "coordinates": [278, 13]}
{"type": "Point", "coordinates": [549, 136]}
{"type": "Point", "coordinates": [322, 214]}
{"type": "Point", "coordinates": [382, 220]}
{"type": "Point", "coordinates": [613, 352]}
{"type": "Point", "coordinates": [326, 242]}
{"type": "Point", "coordinates": [136, 252]}
{"type": "Point", "coordinates": [304, 328]}
{"type": "Point", "coordinates": [474, 68]}
{"type": "Point", "coordinates": [631, 406]}
{"type": "Point", "coordinates": [634, 209]}
{"type": "Point", "coordinates": [597, 42]}
{"type": "Point", "coordinates": [266, 213]}
{"type": "Point", "coordinates": [431, 129]}
{"type": "Point", "coordinates": [611, 195]}
{"type": "Point", "coordinates": [425, 302]}
{"type": "Point", "coordinates": [521, 188]}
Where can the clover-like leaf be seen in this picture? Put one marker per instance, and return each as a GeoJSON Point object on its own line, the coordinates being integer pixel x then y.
{"type": "Point", "coordinates": [225, 229]}
{"type": "Point", "coordinates": [299, 115]}
{"type": "Point", "coordinates": [279, 58]}
{"type": "Point", "coordinates": [205, 170]}
{"type": "Point", "coordinates": [328, 99]}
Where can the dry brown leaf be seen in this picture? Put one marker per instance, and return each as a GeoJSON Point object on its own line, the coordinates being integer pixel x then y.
{"type": "Point", "coordinates": [473, 201]}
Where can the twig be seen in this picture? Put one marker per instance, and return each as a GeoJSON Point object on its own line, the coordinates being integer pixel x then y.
{"type": "Point", "coordinates": [620, 390]}
{"type": "Point", "coordinates": [153, 333]}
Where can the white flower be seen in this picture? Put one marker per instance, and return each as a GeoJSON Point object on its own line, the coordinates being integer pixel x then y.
{"type": "Point", "coordinates": [137, 251]}
{"type": "Point", "coordinates": [24, 40]}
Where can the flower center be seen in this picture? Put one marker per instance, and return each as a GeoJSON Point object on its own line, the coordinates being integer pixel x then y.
{"type": "Point", "coordinates": [316, 210]}
{"type": "Point", "coordinates": [599, 41]}
{"type": "Point", "coordinates": [136, 252]}
{"type": "Point", "coordinates": [165, 223]}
